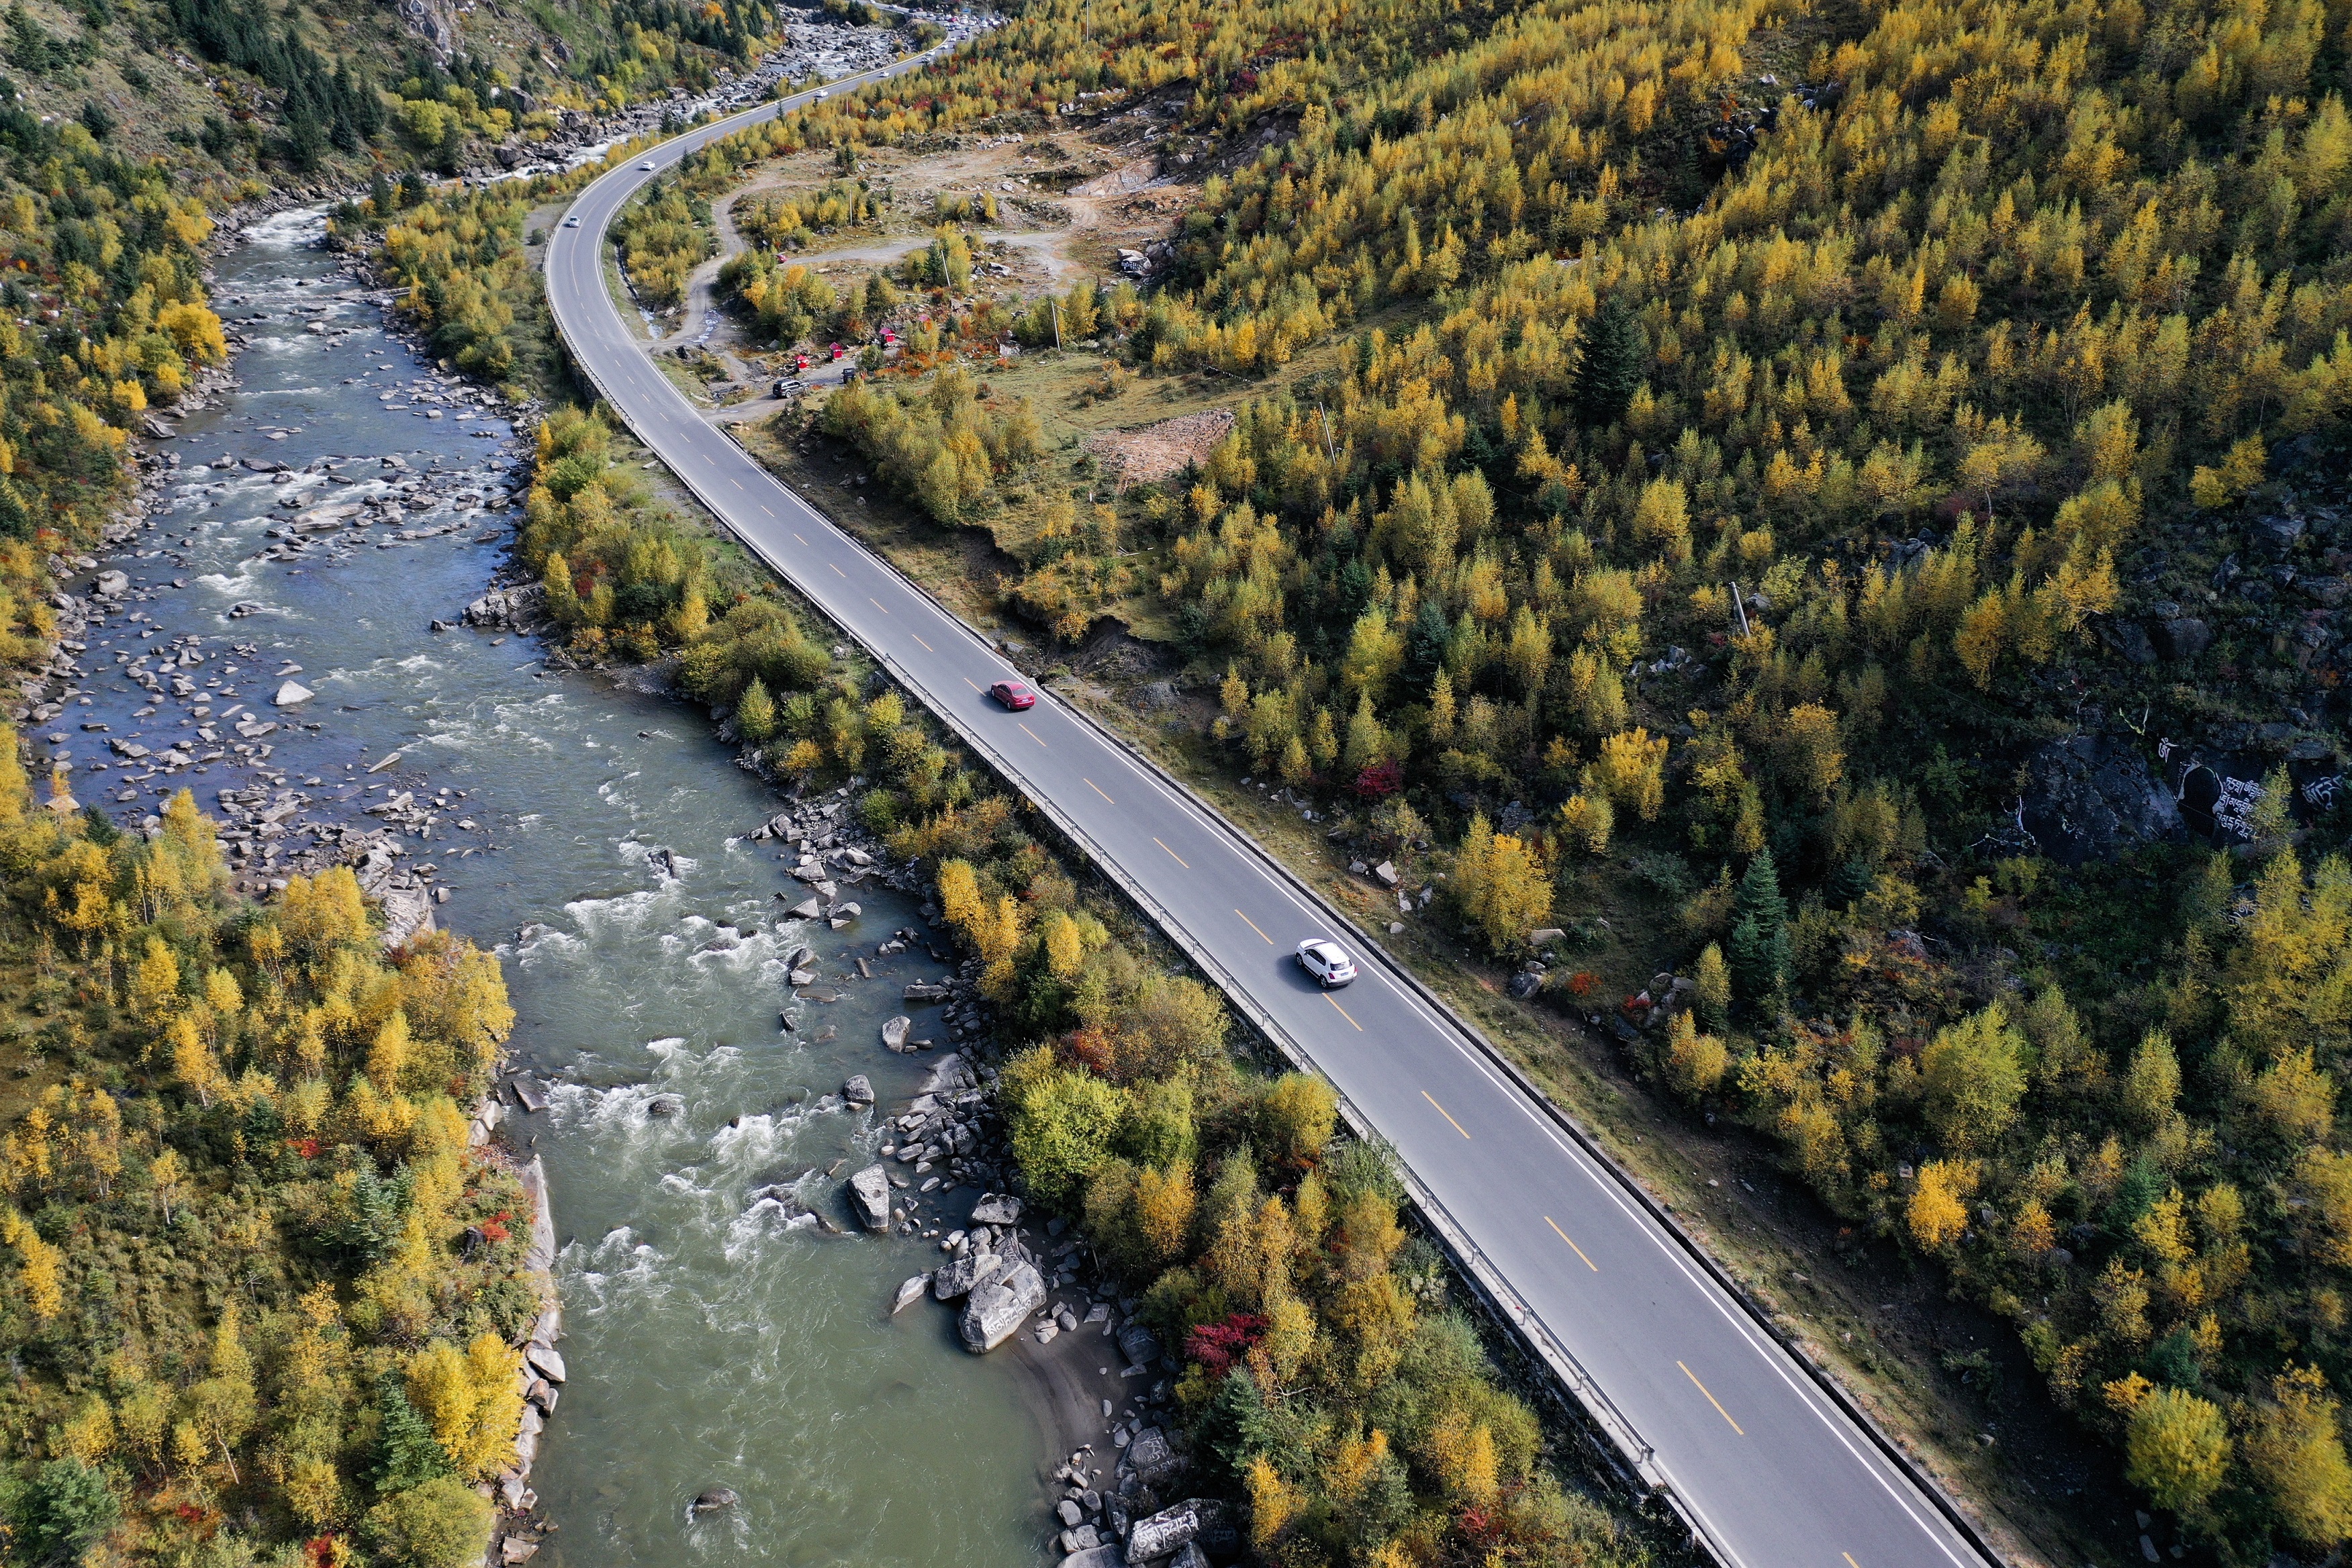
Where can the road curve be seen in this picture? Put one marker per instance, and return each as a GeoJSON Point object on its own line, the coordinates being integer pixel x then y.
{"type": "Point", "coordinates": [1759, 1455]}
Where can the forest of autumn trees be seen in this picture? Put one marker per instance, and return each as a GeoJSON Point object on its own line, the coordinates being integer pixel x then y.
{"type": "Point", "coordinates": [1329, 1383]}
{"type": "Point", "coordinates": [1744, 477]}
{"type": "Point", "coordinates": [1739, 437]}
{"type": "Point", "coordinates": [259, 1291]}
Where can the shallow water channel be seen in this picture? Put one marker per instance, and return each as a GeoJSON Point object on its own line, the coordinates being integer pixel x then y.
{"type": "Point", "coordinates": [706, 1348]}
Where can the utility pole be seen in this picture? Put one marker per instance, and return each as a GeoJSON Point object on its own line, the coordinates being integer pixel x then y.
{"type": "Point", "coordinates": [1055, 306]}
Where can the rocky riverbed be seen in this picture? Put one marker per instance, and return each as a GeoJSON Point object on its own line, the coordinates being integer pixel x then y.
{"type": "Point", "coordinates": [294, 622]}
{"type": "Point", "coordinates": [599, 837]}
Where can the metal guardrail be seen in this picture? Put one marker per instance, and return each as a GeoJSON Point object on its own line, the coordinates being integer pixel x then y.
{"type": "Point", "coordinates": [1636, 1453]}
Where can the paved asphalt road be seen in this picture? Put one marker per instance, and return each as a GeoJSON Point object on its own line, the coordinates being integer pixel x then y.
{"type": "Point", "coordinates": [1771, 1471]}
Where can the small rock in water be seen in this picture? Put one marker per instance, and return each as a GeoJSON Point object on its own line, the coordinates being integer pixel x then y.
{"type": "Point", "coordinates": [292, 694]}
{"type": "Point", "coordinates": [715, 1499]}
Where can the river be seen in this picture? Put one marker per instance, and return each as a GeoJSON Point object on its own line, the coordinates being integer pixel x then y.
{"type": "Point", "coordinates": [705, 1348]}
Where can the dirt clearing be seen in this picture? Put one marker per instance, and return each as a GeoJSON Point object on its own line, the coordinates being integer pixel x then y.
{"type": "Point", "coordinates": [1159, 451]}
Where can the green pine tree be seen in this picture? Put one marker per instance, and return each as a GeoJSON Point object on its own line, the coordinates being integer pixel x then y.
{"type": "Point", "coordinates": [1611, 368]}
{"type": "Point", "coordinates": [1759, 933]}
{"type": "Point", "coordinates": [407, 1453]}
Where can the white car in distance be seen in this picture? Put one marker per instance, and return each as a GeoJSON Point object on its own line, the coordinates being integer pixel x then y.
{"type": "Point", "coordinates": [1327, 961]}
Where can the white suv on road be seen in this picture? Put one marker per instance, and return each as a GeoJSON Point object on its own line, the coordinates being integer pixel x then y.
{"type": "Point", "coordinates": [1327, 961]}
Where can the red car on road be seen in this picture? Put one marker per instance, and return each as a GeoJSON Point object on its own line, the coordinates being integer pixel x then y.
{"type": "Point", "coordinates": [1013, 695]}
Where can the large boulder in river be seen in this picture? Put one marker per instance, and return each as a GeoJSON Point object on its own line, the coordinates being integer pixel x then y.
{"type": "Point", "coordinates": [1172, 1528]}
{"type": "Point", "coordinates": [857, 1091]}
{"type": "Point", "coordinates": [869, 1197]}
{"type": "Point", "coordinates": [715, 1499]}
{"type": "Point", "coordinates": [959, 1278]}
{"type": "Point", "coordinates": [998, 1307]}
{"type": "Point", "coordinates": [293, 694]}
{"type": "Point", "coordinates": [894, 1031]}
{"type": "Point", "coordinates": [996, 1208]}
{"type": "Point", "coordinates": [1154, 1458]}
{"type": "Point", "coordinates": [1136, 1343]}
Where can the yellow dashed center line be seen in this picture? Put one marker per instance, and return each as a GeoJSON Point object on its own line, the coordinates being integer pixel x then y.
{"type": "Point", "coordinates": [1850, 1562]}
{"type": "Point", "coordinates": [967, 681]}
{"type": "Point", "coordinates": [765, 510]}
{"type": "Point", "coordinates": [734, 481]}
{"type": "Point", "coordinates": [798, 537]}
{"type": "Point", "coordinates": [1252, 925]}
{"type": "Point", "coordinates": [927, 647]}
{"type": "Point", "coordinates": [1572, 1247]}
{"type": "Point", "coordinates": [1032, 734]}
{"type": "Point", "coordinates": [1711, 1399]}
{"type": "Point", "coordinates": [876, 603]}
{"type": "Point", "coordinates": [1435, 1106]}
{"type": "Point", "coordinates": [1172, 855]}
{"type": "Point", "coordinates": [1098, 790]}
{"type": "Point", "coordinates": [1360, 1029]}
{"type": "Point", "coordinates": [838, 573]}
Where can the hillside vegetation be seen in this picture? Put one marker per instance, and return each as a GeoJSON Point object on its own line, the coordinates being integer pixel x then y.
{"type": "Point", "coordinates": [1852, 484]}
{"type": "Point", "coordinates": [260, 1293]}
{"type": "Point", "coordinates": [1745, 438]}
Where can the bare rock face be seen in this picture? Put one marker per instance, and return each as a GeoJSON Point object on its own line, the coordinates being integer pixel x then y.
{"type": "Point", "coordinates": [999, 1306]}
{"type": "Point", "coordinates": [2180, 638]}
{"type": "Point", "coordinates": [869, 1196]}
{"type": "Point", "coordinates": [2087, 799]}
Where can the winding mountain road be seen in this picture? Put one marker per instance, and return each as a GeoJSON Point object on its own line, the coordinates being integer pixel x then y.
{"type": "Point", "coordinates": [1759, 1455]}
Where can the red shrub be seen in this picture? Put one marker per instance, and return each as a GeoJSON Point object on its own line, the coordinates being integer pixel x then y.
{"type": "Point", "coordinates": [1216, 1346]}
